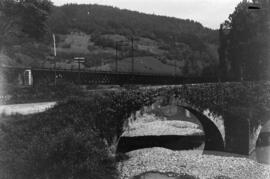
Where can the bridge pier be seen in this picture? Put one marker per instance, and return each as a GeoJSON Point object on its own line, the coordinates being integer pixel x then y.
{"type": "Point", "coordinates": [236, 136]}
{"type": "Point", "coordinates": [241, 131]}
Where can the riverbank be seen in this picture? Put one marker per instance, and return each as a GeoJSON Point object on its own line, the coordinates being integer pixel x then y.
{"type": "Point", "coordinates": [191, 163]}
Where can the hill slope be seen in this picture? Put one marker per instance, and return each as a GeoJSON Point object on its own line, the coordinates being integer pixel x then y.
{"type": "Point", "coordinates": [161, 44]}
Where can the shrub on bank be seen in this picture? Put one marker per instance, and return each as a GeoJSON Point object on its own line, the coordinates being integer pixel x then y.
{"type": "Point", "coordinates": [71, 140]}
{"type": "Point", "coordinates": [59, 143]}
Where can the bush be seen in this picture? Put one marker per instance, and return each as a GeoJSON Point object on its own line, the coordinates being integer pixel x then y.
{"type": "Point", "coordinates": [59, 143]}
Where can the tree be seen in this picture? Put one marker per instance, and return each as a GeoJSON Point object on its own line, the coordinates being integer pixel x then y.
{"type": "Point", "coordinates": [9, 28]}
{"type": "Point", "coordinates": [34, 14]}
{"type": "Point", "coordinates": [246, 44]}
{"type": "Point", "coordinates": [223, 65]}
{"type": "Point", "coordinates": [29, 15]}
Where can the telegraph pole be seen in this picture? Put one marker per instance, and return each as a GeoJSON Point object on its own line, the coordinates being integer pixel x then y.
{"type": "Point", "coordinates": [175, 67]}
{"type": "Point", "coordinates": [116, 57]}
{"type": "Point", "coordinates": [174, 45]}
{"type": "Point", "coordinates": [132, 54]}
{"type": "Point", "coordinates": [54, 49]}
{"type": "Point", "coordinates": [79, 60]}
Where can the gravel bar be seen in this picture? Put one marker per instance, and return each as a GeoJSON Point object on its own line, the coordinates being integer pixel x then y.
{"type": "Point", "coordinates": [160, 128]}
{"type": "Point", "coordinates": [192, 163]}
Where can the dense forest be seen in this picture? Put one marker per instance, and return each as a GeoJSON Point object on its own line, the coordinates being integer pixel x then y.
{"type": "Point", "coordinates": [109, 20]}
{"type": "Point", "coordinates": [177, 46]}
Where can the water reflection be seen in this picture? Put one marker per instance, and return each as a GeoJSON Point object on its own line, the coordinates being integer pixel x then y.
{"type": "Point", "coordinates": [157, 175]}
{"type": "Point", "coordinates": [127, 144]}
{"type": "Point", "coordinates": [263, 154]}
{"type": "Point", "coordinates": [154, 176]}
{"type": "Point", "coordinates": [262, 151]}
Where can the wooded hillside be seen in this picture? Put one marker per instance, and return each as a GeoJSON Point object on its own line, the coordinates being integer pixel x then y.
{"type": "Point", "coordinates": [161, 44]}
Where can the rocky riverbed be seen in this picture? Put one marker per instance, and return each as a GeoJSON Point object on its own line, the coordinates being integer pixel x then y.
{"type": "Point", "coordinates": [191, 163]}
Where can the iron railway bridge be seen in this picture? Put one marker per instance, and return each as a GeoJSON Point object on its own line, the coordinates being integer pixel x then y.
{"type": "Point", "coordinates": [86, 77]}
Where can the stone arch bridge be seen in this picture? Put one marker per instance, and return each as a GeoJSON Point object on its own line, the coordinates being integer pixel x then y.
{"type": "Point", "coordinates": [232, 114]}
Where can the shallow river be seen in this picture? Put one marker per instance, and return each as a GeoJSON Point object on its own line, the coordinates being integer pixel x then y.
{"type": "Point", "coordinates": [261, 154]}
{"type": "Point", "coordinates": [157, 175]}
{"type": "Point", "coordinates": [262, 151]}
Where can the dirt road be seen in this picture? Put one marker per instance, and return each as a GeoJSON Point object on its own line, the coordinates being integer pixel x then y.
{"type": "Point", "coordinates": [28, 108]}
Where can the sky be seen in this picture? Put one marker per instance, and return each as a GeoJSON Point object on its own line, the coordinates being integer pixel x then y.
{"type": "Point", "coordinates": [210, 13]}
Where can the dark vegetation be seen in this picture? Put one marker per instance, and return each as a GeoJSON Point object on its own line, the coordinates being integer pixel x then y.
{"type": "Point", "coordinates": [60, 143]}
{"type": "Point", "coordinates": [70, 140]}
{"type": "Point", "coordinates": [23, 24]}
{"type": "Point", "coordinates": [244, 42]}
{"type": "Point", "coordinates": [96, 19]}
{"type": "Point", "coordinates": [25, 18]}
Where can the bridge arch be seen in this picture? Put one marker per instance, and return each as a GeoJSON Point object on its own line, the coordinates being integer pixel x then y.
{"type": "Point", "coordinates": [213, 136]}
{"type": "Point", "coordinates": [214, 140]}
